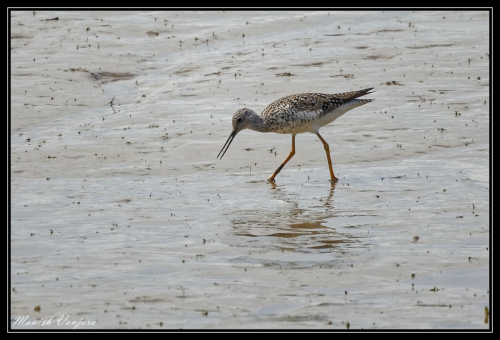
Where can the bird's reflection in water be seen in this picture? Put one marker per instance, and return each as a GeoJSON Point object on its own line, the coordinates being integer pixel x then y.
{"type": "Point", "coordinates": [291, 220]}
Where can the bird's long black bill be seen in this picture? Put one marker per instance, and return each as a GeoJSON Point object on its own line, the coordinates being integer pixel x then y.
{"type": "Point", "coordinates": [229, 140]}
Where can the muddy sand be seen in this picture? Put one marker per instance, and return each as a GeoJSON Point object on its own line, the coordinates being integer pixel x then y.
{"type": "Point", "coordinates": [123, 218]}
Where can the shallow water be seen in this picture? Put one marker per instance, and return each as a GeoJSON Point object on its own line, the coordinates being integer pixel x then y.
{"type": "Point", "coordinates": [121, 214]}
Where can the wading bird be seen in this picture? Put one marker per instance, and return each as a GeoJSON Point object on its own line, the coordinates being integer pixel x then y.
{"type": "Point", "coordinates": [298, 113]}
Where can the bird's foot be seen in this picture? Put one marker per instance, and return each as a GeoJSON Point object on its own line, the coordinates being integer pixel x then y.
{"type": "Point", "coordinates": [271, 179]}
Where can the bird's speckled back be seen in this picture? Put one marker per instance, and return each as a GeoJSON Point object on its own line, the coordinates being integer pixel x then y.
{"type": "Point", "coordinates": [300, 111]}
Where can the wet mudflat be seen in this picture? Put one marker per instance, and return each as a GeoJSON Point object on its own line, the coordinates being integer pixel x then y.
{"type": "Point", "coordinates": [121, 214]}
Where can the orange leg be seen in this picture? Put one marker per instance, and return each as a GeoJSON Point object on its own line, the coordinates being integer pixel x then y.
{"type": "Point", "coordinates": [271, 179]}
{"type": "Point", "coordinates": [327, 149]}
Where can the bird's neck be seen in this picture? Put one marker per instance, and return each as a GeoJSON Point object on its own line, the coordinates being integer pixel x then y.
{"type": "Point", "coordinates": [258, 123]}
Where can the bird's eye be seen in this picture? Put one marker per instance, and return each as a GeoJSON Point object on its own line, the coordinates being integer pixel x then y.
{"type": "Point", "coordinates": [239, 119]}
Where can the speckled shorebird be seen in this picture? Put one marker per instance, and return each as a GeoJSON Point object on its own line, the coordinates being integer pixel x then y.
{"type": "Point", "coordinates": [298, 113]}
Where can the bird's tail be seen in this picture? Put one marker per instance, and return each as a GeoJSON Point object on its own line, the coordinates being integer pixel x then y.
{"type": "Point", "coordinates": [355, 94]}
{"type": "Point", "coordinates": [358, 102]}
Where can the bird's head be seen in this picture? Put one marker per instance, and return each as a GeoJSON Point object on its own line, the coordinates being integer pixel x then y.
{"type": "Point", "coordinates": [242, 119]}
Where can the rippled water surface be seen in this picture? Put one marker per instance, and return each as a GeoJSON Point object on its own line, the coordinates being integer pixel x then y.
{"type": "Point", "coordinates": [122, 216]}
